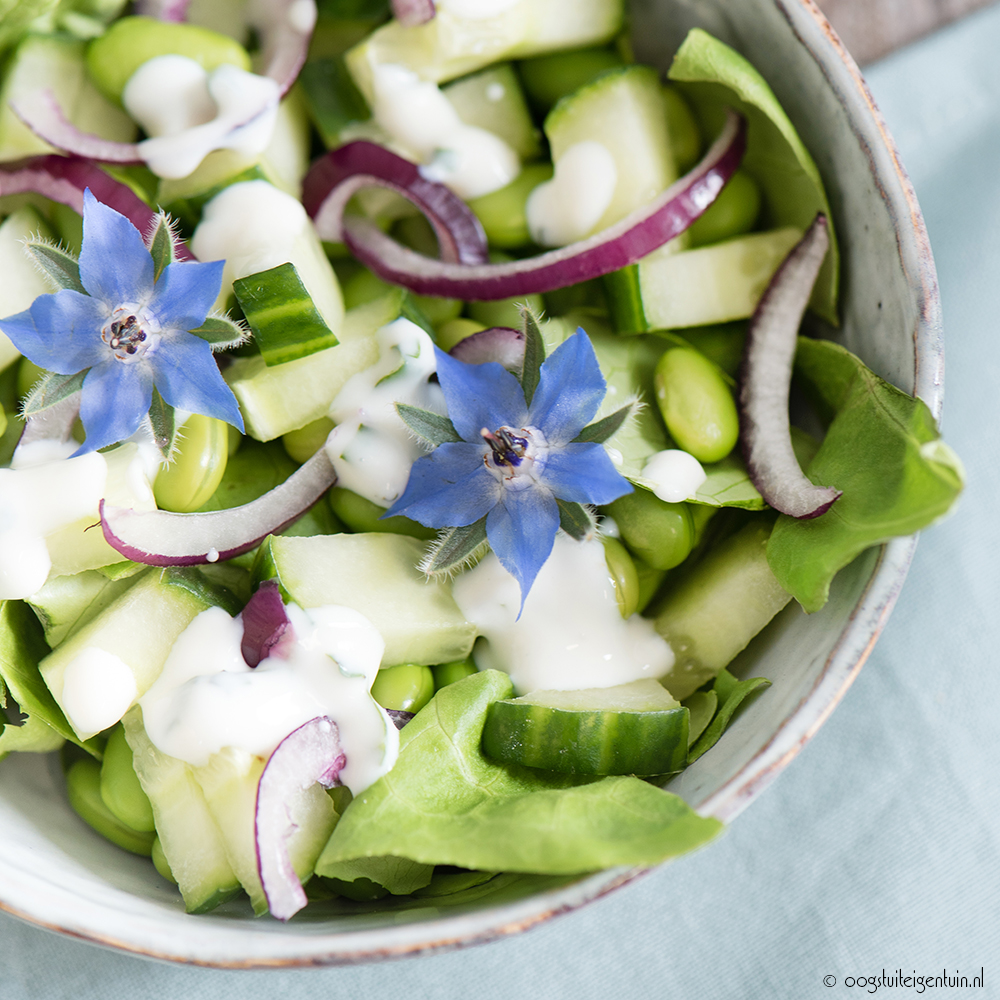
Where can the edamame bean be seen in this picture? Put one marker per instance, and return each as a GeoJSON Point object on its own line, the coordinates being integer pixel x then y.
{"type": "Point", "coordinates": [360, 514]}
{"type": "Point", "coordinates": [658, 532]}
{"type": "Point", "coordinates": [502, 212]}
{"type": "Point", "coordinates": [696, 404]}
{"type": "Point", "coordinates": [621, 570]}
{"type": "Point", "coordinates": [363, 287]}
{"type": "Point", "coordinates": [448, 673]}
{"type": "Point", "coordinates": [649, 579]}
{"type": "Point", "coordinates": [303, 443]}
{"type": "Point", "coordinates": [129, 42]}
{"type": "Point", "coordinates": [160, 862]}
{"type": "Point", "coordinates": [733, 212]}
{"type": "Point", "coordinates": [120, 788]}
{"type": "Point", "coordinates": [405, 688]}
{"type": "Point", "coordinates": [447, 335]}
{"type": "Point", "coordinates": [83, 787]}
{"type": "Point", "coordinates": [547, 78]}
{"type": "Point", "coordinates": [197, 466]}
{"type": "Point", "coordinates": [685, 138]}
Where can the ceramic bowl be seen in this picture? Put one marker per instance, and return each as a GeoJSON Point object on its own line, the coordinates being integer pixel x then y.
{"type": "Point", "coordinates": [55, 872]}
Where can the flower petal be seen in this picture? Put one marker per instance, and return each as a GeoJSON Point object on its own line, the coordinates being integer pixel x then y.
{"type": "Point", "coordinates": [521, 530]}
{"type": "Point", "coordinates": [115, 265]}
{"type": "Point", "coordinates": [185, 293]}
{"type": "Point", "coordinates": [188, 378]}
{"type": "Point", "coordinates": [449, 488]}
{"type": "Point", "coordinates": [115, 398]}
{"type": "Point", "coordinates": [583, 473]}
{"type": "Point", "coordinates": [570, 390]}
{"type": "Point", "coordinates": [60, 333]}
{"type": "Point", "coordinates": [480, 396]}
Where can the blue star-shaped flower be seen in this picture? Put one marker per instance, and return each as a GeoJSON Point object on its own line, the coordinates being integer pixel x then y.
{"type": "Point", "coordinates": [515, 459]}
{"type": "Point", "coordinates": [130, 332]}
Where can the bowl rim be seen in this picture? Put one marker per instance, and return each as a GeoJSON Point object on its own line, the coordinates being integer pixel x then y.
{"type": "Point", "coordinates": [264, 949]}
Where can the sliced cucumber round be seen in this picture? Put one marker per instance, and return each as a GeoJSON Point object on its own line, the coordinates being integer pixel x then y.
{"type": "Point", "coordinates": [635, 728]}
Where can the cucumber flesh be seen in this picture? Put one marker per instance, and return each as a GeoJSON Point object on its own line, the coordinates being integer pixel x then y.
{"type": "Point", "coordinates": [718, 608]}
{"type": "Point", "coordinates": [374, 573]}
{"type": "Point", "coordinates": [636, 728]}
{"type": "Point", "coordinates": [22, 282]}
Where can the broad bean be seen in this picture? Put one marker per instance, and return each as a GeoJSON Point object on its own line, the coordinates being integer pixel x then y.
{"type": "Point", "coordinates": [120, 788]}
{"type": "Point", "coordinates": [624, 579]}
{"type": "Point", "coordinates": [83, 787]}
{"type": "Point", "coordinates": [405, 688]}
{"type": "Point", "coordinates": [197, 466]}
{"type": "Point", "coordinates": [659, 533]}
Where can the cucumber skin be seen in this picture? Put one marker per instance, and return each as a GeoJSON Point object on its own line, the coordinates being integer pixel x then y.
{"type": "Point", "coordinates": [589, 742]}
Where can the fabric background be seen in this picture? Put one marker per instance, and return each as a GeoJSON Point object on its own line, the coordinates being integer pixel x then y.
{"type": "Point", "coordinates": [879, 847]}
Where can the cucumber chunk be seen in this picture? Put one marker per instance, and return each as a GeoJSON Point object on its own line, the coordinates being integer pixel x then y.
{"type": "Point", "coordinates": [375, 574]}
{"type": "Point", "coordinates": [190, 840]}
{"type": "Point", "coordinates": [636, 728]}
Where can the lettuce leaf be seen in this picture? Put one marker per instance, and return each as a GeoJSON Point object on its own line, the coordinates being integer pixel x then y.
{"type": "Point", "coordinates": [883, 450]}
{"type": "Point", "coordinates": [445, 803]}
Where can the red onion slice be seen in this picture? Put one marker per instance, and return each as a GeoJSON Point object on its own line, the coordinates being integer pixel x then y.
{"type": "Point", "coordinates": [161, 538]}
{"type": "Point", "coordinates": [311, 754]}
{"type": "Point", "coordinates": [410, 13]}
{"type": "Point", "coordinates": [285, 28]}
{"type": "Point", "coordinates": [616, 247]}
{"type": "Point", "coordinates": [499, 343]}
{"type": "Point", "coordinates": [765, 432]}
{"type": "Point", "coordinates": [163, 10]}
{"type": "Point", "coordinates": [399, 717]}
{"type": "Point", "coordinates": [65, 178]}
{"type": "Point", "coordinates": [335, 178]}
{"type": "Point", "coordinates": [266, 628]}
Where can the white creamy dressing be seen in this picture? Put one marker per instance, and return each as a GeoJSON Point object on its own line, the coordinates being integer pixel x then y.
{"type": "Point", "coordinates": [566, 208]}
{"type": "Point", "coordinates": [253, 227]}
{"type": "Point", "coordinates": [37, 499]}
{"type": "Point", "coordinates": [371, 448]}
{"type": "Point", "coordinates": [419, 117]}
{"type": "Point", "coordinates": [98, 689]}
{"type": "Point", "coordinates": [187, 112]}
{"type": "Point", "coordinates": [673, 475]}
{"type": "Point", "coordinates": [570, 635]}
{"type": "Point", "coordinates": [207, 698]}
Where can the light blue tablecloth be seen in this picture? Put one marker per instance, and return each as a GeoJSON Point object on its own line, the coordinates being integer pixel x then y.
{"type": "Point", "coordinates": [879, 848]}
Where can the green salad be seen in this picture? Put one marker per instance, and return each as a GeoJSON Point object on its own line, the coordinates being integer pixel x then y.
{"type": "Point", "coordinates": [395, 424]}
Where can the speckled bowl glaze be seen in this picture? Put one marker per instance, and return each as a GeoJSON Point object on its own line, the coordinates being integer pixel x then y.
{"type": "Point", "coordinates": [55, 872]}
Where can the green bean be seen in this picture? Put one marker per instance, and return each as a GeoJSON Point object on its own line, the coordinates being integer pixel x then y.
{"type": "Point", "coordinates": [406, 687]}
{"type": "Point", "coordinates": [658, 532]}
{"type": "Point", "coordinates": [160, 862]}
{"type": "Point", "coordinates": [696, 404]}
{"type": "Point", "coordinates": [621, 570]}
{"type": "Point", "coordinates": [120, 788]}
{"type": "Point", "coordinates": [547, 78]}
{"type": "Point", "coordinates": [733, 213]}
{"type": "Point", "coordinates": [83, 786]}
{"type": "Point", "coordinates": [448, 673]}
{"type": "Point", "coordinates": [502, 212]}
{"type": "Point", "coordinates": [685, 138]}
{"type": "Point", "coordinates": [303, 443]}
{"type": "Point", "coordinates": [360, 514]}
{"type": "Point", "coordinates": [197, 466]}
{"type": "Point", "coordinates": [447, 335]}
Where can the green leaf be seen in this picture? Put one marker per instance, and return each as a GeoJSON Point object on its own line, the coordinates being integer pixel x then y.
{"type": "Point", "coordinates": [221, 332]}
{"type": "Point", "coordinates": [50, 390]}
{"type": "Point", "coordinates": [428, 426]}
{"type": "Point", "coordinates": [282, 315]}
{"type": "Point", "coordinates": [161, 419]}
{"type": "Point", "coordinates": [534, 354]}
{"type": "Point", "coordinates": [21, 649]}
{"type": "Point", "coordinates": [776, 157]}
{"type": "Point", "coordinates": [60, 265]}
{"type": "Point", "coordinates": [398, 876]}
{"type": "Point", "coordinates": [600, 430]}
{"type": "Point", "coordinates": [161, 245]}
{"type": "Point", "coordinates": [34, 736]}
{"type": "Point", "coordinates": [473, 813]}
{"type": "Point", "coordinates": [702, 706]}
{"type": "Point", "coordinates": [883, 451]}
{"type": "Point", "coordinates": [730, 693]}
{"type": "Point", "coordinates": [454, 548]}
{"type": "Point", "coordinates": [575, 520]}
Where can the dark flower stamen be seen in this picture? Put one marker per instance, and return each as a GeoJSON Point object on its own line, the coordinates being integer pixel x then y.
{"type": "Point", "coordinates": [507, 449]}
{"type": "Point", "coordinates": [125, 334]}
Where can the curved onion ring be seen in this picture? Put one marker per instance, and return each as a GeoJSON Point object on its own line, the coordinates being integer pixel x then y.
{"type": "Point", "coordinates": [765, 377]}
{"type": "Point", "coordinates": [162, 538]}
{"type": "Point", "coordinates": [267, 630]}
{"type": "Point", "coordinates": [616, 247]}
{"type": "Point", "coordinates": [410, 13]}
{"type": "Point", "coordinates": [334, 179]}
{"type": "Point", "coordinates": [163, 10]}
{"type": "Point", "coordinates": [309, 755]}
{"type": "Point", "coordinates": [65, 178]}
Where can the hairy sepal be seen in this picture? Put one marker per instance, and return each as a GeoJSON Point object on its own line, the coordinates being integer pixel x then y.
{"type": "Point", "coordinates": [428, 426]}
{"type": "Point", "coordinates": [57, 264]}
{"type": "Point", "coordinates": [454, 549]}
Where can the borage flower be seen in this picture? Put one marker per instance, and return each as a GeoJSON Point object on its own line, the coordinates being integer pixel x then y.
{"type": "Point", "coordinates": [514, 459]}
{"type": "Point", "coordinates": [121, 324]}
